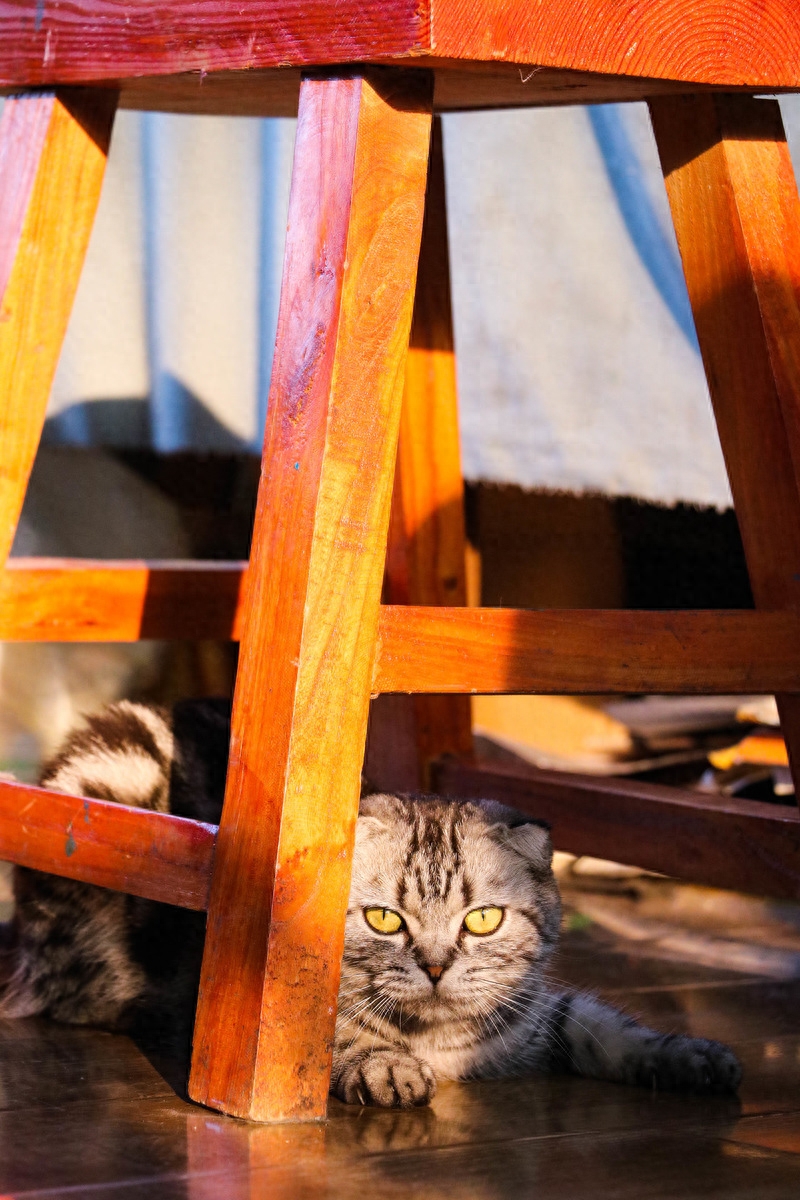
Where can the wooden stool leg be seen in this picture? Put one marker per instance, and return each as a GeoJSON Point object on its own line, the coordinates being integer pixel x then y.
{"type": "Point", "coordinates": [736, 212]}
{"type": "Point", "coordinates": [275, 933]}
{"type": "Point", "coordinates": [53, 149]}
{"type": "Point", "coordinates": [427, 546]}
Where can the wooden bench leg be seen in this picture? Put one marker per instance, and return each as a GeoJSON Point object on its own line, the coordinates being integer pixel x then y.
{"type": "Point", "coordinates": [426, 556]}
{"type": "Point", "coordinates": [53, 149]}
{"type": "Point", "coordinates": [736, 212]}
{"type": "Point", "coordinates": [267, 1003]}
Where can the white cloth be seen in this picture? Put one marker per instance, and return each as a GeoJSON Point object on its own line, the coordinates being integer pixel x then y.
{"type": "Point", "coordinates": [575, 372]}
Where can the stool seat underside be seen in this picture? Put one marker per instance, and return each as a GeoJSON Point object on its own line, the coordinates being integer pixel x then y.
{"type": "Point", "coordinates": [487, 53]}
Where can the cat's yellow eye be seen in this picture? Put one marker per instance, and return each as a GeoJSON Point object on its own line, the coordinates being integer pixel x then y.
{"type": "Point", "coordinates": [483, 920]}
{"type": "Point", "coordinates": [383, 920]}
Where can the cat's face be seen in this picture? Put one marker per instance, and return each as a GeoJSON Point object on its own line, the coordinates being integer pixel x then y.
{"type": "Point", "coordinates": [453, 908]}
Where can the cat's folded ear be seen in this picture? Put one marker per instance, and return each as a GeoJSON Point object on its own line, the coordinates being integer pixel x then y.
{"type": "Point", "coordinates": [529, 837]}
{"type": "Point", "coordinates": [532, 840]}
{"type": "Point", "coordinates": [375, 815]}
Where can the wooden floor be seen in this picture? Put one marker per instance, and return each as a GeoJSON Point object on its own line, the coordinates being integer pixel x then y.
{"type": "Point", "coordinates": [84, 1113]}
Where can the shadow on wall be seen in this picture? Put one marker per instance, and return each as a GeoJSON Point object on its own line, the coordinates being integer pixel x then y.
{"type": "Point", "coordinates": [130, 423]}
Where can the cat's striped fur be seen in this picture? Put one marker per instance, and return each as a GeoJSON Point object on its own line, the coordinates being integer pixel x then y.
{"type": "Point", "coordinates": [427, 1001]}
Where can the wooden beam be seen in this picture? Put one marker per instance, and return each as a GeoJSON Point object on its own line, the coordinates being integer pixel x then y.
{"type": "Point", "coordinates": [426, 555]}
{"type": "Point", "coordinates": [420, 649]}
{"type": "Point", "coordinates": [713, 840]}
{"type": "Point", "coordinates": [736, 211]}
{"type": "Point", "coordinates": [754, 43]}
{"type": "Point", "coordinates": [148, 854]}
{"type": "Point", "coordinates": [459, 86]}
{"type": "Point", "coordinates": [80, 600]}
{"type": "Point", "coordinates": [275, 933]}
{"type": "Point", "coordinates": [53, 150]}
{"type": "Point", "coordinates": [488, 650]}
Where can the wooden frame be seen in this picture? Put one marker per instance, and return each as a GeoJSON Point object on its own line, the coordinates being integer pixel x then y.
{"type": "Point", "coordinates": [315, 640]}
{"type": "Point", "coordinates": [266, 1010]}
{"type": "Point", "coordinates": [422, 650]}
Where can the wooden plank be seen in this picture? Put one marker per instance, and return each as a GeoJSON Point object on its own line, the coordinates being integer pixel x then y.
{"type": "Point", "coordinates": [81, 600]}
{"type": "Point", "coordinates": [736, 212]}
{"type": "Point", "coordinates": [459, 86]}
{"type": "Point", "coordinates": [89, 41]}
{"type": "Point", "coordinates": [487, 650]}
{"type": "Point", "coordinates": [725, 42]}
{"type": "Point", "coordinates": [52, 159]}
{"type": "Point", "coordinates": [714, 840]}
{"type": "Point", "coordinates": [275, 933]}
{"type": "Point", "coordinates": [148, 854]}
{"type": "Point", "coordinates": [425, 561]}
{"type": "Point", "coordinates": [441, 649]}
{"type": "Point", "coordinates": [755, 43]}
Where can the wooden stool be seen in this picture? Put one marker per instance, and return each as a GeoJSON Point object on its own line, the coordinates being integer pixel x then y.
{"type": "Point", "coordinates": [316, 640]}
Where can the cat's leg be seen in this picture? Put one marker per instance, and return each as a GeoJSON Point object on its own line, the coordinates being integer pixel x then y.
{"type": "Point", "coordinates": [370, 1070]}
{"type": "Point", "coordinates": [588, 1037]}
{"type": "Point", "coordinates": [71, 959]}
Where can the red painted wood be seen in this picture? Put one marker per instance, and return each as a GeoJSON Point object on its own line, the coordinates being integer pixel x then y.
{"type": "Point", "coordinates": [80, 600]}
{"type": "Point", "coordinates": [148, 854]}
{"type": "Point", "coordinates": [714, 840]}
{"type": "Point", "coordinates": [752, 43]}
{"type": "Point", "coordinates": [105, 39]}
{"type": "Point", "coordinates": [23, 130]}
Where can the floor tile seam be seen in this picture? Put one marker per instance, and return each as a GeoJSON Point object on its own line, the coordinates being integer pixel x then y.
{"type": "Point", "coordinates": [338, 1159]}
{"type": "Point", "coordinates": [86, 1189]}
{"type": "Point", "coordinates": [772, 1150]}
{"type": "Point", "coordinates": [70, 1105]}
{"type": "Point", "coordinates": [772, 1112]}
{"type": "Point", "coordinates": [648, 989]}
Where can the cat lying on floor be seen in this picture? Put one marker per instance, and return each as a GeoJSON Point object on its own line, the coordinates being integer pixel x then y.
{"type": "Point", "coordinates": [453, 915]}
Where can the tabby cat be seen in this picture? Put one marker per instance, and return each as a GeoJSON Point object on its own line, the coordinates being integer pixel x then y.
{"type": "Point", "coordinates": [453, 915]}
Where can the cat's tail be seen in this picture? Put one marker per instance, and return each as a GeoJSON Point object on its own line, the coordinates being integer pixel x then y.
{"type": "Point", "coordinates": [18, 998]}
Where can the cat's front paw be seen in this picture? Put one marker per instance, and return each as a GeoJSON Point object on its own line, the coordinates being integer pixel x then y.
{"type": "Point", "coordinates": [676, 1063]}
{"type": "Point", "coordinates": [388, 1079]}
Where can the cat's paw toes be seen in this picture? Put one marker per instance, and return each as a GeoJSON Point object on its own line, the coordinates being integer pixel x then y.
{"type": "Point", "coordinates": [388, 1079]}
{"type": "Point", "coordinates": [691, 1065]}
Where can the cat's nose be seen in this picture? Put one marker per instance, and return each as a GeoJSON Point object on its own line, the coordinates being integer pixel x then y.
{"type": "Point", "coordinates": [434, 971]}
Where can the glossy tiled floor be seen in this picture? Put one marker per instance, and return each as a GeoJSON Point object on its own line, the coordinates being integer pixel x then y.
{"type": "Point", "coordinates": [84, 1113]}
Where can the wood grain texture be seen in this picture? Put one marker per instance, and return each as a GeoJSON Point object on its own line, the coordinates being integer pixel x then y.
{"type": "Point", "coordinates": [276, 919]}
{"type": "Point", "coordinates": [736, 213]}
{"type": "Point", "coordinates": [715, 840]}
{"type": "Point", "coordinates": [425, 562]}
{"type": "Point", "coordinates": [755, 43]}
{"type": "Point", "coordinates": [104, 39]}
{"type": "Point", "coordinates": [52, 155]}
{"type": "Point", "coordinates": [724, 42]}
{"type": "Point", "coordinates": [486, 650]}
{"type": "Point", "coordinates": [148, 854]}
{"type": "Point", "coordinates": [80, 600]}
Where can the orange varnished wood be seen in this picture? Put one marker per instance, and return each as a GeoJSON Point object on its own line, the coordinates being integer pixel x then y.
{"type": "Point", "coordinates": [425, 562]}
{"type": "Point", "coordinates": [487, 650]}
{"type": "Point", "coordinates": [419, 648]}
{"type": "Point", "coordinates": [281, 879]}
{"type": "Point", "coordinates": [737, 217]}
{"type": "Point", "coordinates": [715, 840]}
{"type": "Point", "coordinates": [725, 42]}
{"type": "Point", "coordinates": [148, 854]}
{"type": "Point", "coordinates": [52, 160]}
{"type": "Point", "coordinates": [80, 600]}
{"type": "Point", "coordinates": [728, 42]}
